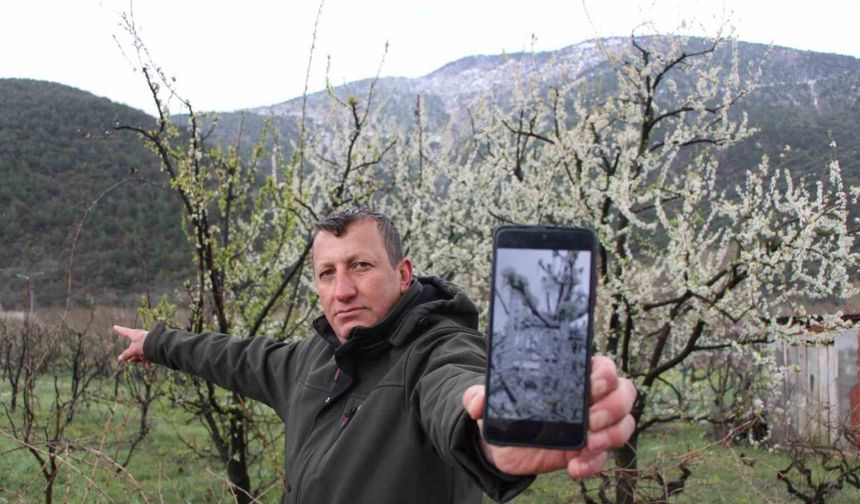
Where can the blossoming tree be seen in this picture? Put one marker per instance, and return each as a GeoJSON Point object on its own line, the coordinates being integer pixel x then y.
{"type": "Point", "coordinates": [689, 265]}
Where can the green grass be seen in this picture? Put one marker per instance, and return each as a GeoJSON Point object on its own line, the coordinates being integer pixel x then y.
{"type": "Point", "coordinates": [737, 474]}
{"type": "Point", "coordinates": [164, 468]}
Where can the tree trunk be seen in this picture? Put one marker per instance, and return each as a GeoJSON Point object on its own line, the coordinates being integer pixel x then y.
{"type": "Point", "coordinates": [237, 466]}
{"type": "Point", "coordinates": [626, 476]}
{"type": "Point", "coordinates": [237, 472]}
{"type": "Point", "coordinates": [49, 481]}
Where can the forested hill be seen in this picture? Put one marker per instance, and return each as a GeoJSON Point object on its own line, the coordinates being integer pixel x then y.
{"type": "Point", "coordinates": [58, 154]}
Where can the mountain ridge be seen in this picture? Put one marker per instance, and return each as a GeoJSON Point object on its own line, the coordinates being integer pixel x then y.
{"type": "Point", "coordinates": [477, 69]}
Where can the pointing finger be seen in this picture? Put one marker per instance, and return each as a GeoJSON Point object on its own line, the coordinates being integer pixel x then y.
{"type": "Point", "coordinates": [123, 331]}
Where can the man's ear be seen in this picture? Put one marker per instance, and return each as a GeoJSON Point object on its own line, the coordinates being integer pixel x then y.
{"type": "Point", "coordinates": [404, 270]}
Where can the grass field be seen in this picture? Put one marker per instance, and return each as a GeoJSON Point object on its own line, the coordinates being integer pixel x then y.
{"type": "Point", "coordinates": [737, 474]}
{"type": "Point", "coordinates": [165, 468]}
{"type": "Point", "coordinates": [162, 466]}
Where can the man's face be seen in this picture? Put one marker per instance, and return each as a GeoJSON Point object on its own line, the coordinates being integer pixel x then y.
{"type": "Point", "coordinates": [355, 280]}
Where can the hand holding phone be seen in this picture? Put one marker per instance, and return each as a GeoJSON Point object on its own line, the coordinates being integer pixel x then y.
{"type": "Point", "coordinates": [610, 426]}
{"type": "Point", "coordinates": [541, 318]}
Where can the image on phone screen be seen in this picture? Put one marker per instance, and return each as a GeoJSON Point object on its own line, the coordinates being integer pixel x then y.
{"type": "Point", "coordinates": [540, 317]}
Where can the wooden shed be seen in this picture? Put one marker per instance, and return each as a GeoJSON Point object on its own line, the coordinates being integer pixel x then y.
{"type": "Point", "coordinates": [820, 393]}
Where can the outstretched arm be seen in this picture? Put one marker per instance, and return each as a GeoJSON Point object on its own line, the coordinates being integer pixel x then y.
{"type": "Point", "coordinates": [258, 368]}
{"type": "Point", "coordinates": [610, 426]}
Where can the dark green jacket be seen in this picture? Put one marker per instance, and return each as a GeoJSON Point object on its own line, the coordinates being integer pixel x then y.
{"type": "Point", "coordinates": [378, 419]}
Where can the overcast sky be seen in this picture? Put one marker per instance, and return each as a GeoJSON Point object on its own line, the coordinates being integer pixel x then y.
{"type": "Point", "coordinates": [231, 54]}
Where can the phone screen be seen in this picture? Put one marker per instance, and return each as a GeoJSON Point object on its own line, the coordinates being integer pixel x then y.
{"type": "Point", "coordinates": [540, 335]}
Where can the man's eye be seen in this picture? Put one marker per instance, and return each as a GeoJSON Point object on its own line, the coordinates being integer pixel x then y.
{"type": "Point", "coordinates": [326, 273]}
{"type": "Point", "coordinates": [361, 265]}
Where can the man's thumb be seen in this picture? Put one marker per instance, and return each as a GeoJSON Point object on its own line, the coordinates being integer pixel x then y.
{"type": "Point", "coordinates": [473, 401]}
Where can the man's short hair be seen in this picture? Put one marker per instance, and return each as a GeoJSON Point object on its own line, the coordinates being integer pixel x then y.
{"type": "Point", "coordinates": [337, 222]}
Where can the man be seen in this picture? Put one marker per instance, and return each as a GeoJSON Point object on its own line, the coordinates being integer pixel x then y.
{"type": "Point", "coordinates": [384, 405]}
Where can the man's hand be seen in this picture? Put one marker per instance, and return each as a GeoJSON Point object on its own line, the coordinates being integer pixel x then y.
{"type": "Point", "coordinates": [609, 426]}
{"type": "Point", "coordinates": [134, 352]}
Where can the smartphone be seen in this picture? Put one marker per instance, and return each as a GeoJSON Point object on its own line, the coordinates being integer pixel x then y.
{"type": "Point", "coordinates": [541, 319]}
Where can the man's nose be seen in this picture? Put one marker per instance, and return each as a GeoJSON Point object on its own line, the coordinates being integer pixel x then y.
{"type": "Point", "coordinates": [344, 287]}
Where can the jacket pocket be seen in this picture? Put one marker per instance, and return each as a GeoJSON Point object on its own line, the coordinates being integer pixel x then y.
{"type": "Point", "coordinates": [350, 410]}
